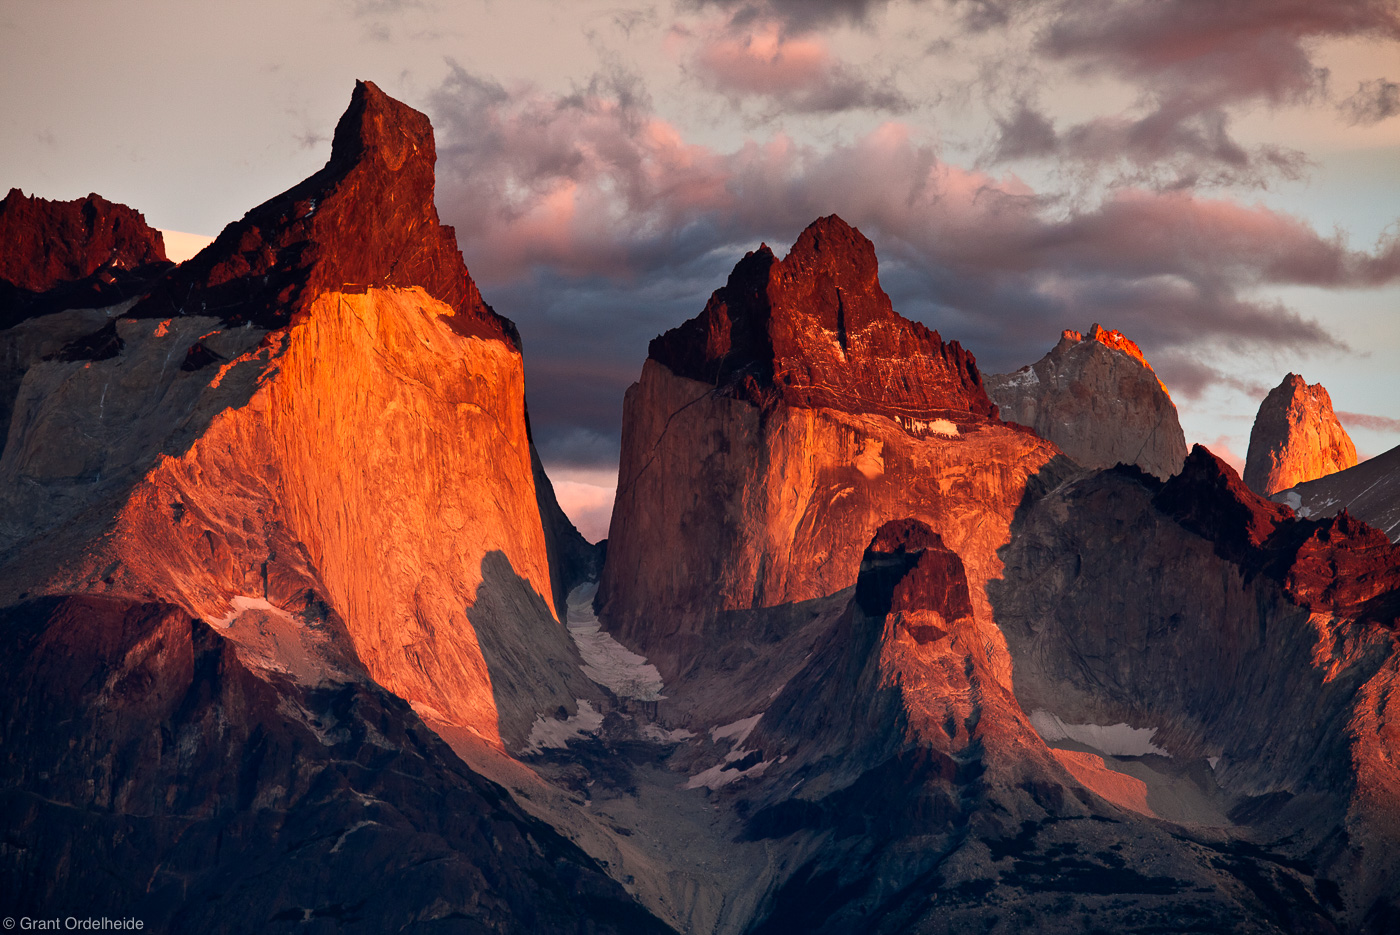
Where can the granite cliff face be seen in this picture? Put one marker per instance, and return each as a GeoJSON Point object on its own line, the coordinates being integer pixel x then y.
{"type": "Point", "coordinates": [1242, 637]}
{"type": "Point", "coordinates": [233, 470]}
{"type": "Point", "coordinates": [769, 437]}
{"type": "Point", "coordinates": [1296, 438]}
{"type": "Point", "coordinates": [292, 634]}
{"type": "Point", "coordinates": [1097, 398]}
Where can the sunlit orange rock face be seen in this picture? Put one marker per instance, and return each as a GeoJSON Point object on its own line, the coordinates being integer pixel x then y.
{"type": "Point", "coordinates": [365, 464]}
{"type": "Point", "coordinates": [769, 437]}
{"type": "Point", "coordinates": [1296, 438]}
{"type": "Point", "coordinates": [1098, 399]}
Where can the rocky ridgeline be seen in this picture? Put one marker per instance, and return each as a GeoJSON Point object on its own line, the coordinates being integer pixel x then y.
{"type": "Point", "coordinates": [84, 253]}
{"type": "Point", "coordinates": [272, 535]}
{"type": "Point", "coordinates": [1098, 399]}
{"type": "Point", "coordinates": [1296, 438]}
{"type": "Point", "coordinates": [770, 436]}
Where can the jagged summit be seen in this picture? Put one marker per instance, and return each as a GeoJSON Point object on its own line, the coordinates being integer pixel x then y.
{"type": "Point", "coordinates": [1296, 438]}
{"type": "Point", "coordinates": [816, 330]}
{"type": "Point", "coordinates": [1097, 397]}
{"type": "Point", "coordinates": [83, 253]}
{"type": "Point", "coordinates": [366, 219]}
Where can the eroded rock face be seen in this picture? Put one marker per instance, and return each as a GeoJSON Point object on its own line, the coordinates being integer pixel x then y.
{"type": "Point", "coordinates": [84, 253]}
{"type": "Point", "coordinates": [1296, 438]}
{"type": "Point", "coordinates": [213, 793]}
{"type": "Point", "coordinates": [933, 806]}
{"type": "Point", "coordinates": [367, 220]}
{"type": "Point", "coordinates": [368, 459]}
{"type": "Point", "coordinates": [768, 439]}
{"type": "Point", "coordinates": [1097, 398]}
{"type": "Point", "coordinates": [1370, 491]}
{"type": "Point", "coordinates": [1227, 630]}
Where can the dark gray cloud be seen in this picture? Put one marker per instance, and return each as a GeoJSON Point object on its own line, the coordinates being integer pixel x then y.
{"type": "Point", "coordinates": [1373, 102]}
{"type": "Point", "coordinates": [796, 15]}
{"type": "Point", "coordinates": [1196, 63]}
{"type": "Point", "coordinates": [596, 226]}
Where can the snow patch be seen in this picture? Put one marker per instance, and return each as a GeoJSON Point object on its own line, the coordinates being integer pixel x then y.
{"type": "Point", "coordinates": [606, 661]}
{"type": "Point", "coordinates": [555, 734]}
{"type": "Point", "coordinates": [1113, 739]}
{"type": "Point", "coordinates": [721, 774]}
{"type": "Point", "coordinates": [737, 732]}
{"type": "Point", "coordinates": [1212, 760]}
{"type": "Point", "coordinates": [658, 734]}
{"type": "Point", "coordinates": [241, 604]}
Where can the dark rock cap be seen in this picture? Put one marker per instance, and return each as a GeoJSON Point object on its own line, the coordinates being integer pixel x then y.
{"type": "Point", "coordinates": [366, 219]}
{"type": "Point", "coordinates": [816, 330]}
{"type": "Point", "coordinates": [83, 253]}
{"type": "Point", "coordinates": [908, 568]}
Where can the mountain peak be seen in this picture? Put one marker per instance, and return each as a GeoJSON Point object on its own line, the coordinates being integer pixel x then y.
{"type": "Point", "coordinates": [1096, 396]}
{"type": "Point", "coordinates": [815, 329]}
{"type": "Point", "coordinates": [1296, 438]}
{"type": "Point", "coordinates": [367, 219]}
{"type": "Point", "coordinates": [83, 253]}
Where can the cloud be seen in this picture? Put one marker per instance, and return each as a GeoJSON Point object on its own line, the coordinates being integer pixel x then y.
{"type": "Point", "coordinates": [1222, 448]}
{"type": "Point", "coordinates": [1373, 102]}
{"type": "Point", "coordinates": [1360, 420]}
{"type": "Point", "coordinates": [794, 74]}
{"type": "Point", "coordinates": [795, 15]}
{"type": "Point", "coordinates": [1195, 64]}
{"type": "Point", "coordinates": [596, 226]}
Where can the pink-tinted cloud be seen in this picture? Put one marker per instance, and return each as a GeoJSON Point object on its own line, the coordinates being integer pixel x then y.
{"type": "Point", "coordinates": [795, 15]}
{"type": "Point", "coordinates": [792, 73]}
{"type": "Point", "coordinates": [1196, 62]}
{"type": "Point", "coordinates": [597, 225]}
{"type": "Point", "coordinates": [1360, 420]}
{"type": "Point", "coordinates": [1221, 448]}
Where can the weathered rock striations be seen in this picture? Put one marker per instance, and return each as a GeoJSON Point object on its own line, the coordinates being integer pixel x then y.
{"type": "Point", "coordinates": [1370, 492]}
{"type": "Point", "coordinates": [932, 805]}
{"type": "Point", "coordinates": [1098, 399]}
{"type": "Point", "coordinates": [214, 791]}
{"type": "Point", "coordinates": [768, 438]}
{"type": "Point", "coordinates": [367, 220]}
{"type": "Point", "coordinates": [1296, 438]}
{"type": "Point", "coordinates": [1226, 630]}
{"type": "Point", "coordinates": [368, 461]}
{"type": "Point", "coordinates": [84, 253]}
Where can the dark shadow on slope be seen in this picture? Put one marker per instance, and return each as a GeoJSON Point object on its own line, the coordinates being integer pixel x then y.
{"type": "Point", "coordinates": [209, 798]}
{"type": "Point", "coordinates": [530, 657]}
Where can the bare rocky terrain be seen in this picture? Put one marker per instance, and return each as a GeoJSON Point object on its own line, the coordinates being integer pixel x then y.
{"type": "Point", "coordinates": [295, 637]}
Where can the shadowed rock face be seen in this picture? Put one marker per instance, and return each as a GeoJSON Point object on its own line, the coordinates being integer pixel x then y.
{"type": "Point", "coordinates": [1370, 491]}
{"type": "Point", "coordinates": [1296, 438]}
{"type": "Point", "coordinates": [772, 435]}
{"type": "Point", "coordinates": [83, 253]}
{"type": "Point", "coordinates": [1096, 397]}
{"type": "Point", "coordinates": [214, 794]}
{"type": "Point", "coordinates": [366, 220]}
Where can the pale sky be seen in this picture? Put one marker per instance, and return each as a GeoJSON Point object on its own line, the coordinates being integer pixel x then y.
{"type": "Point", "coordinates": [1219, 181]}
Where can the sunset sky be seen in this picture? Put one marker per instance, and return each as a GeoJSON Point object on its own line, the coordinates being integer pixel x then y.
{"type": "Point", "coordinates": [1218, 179]}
